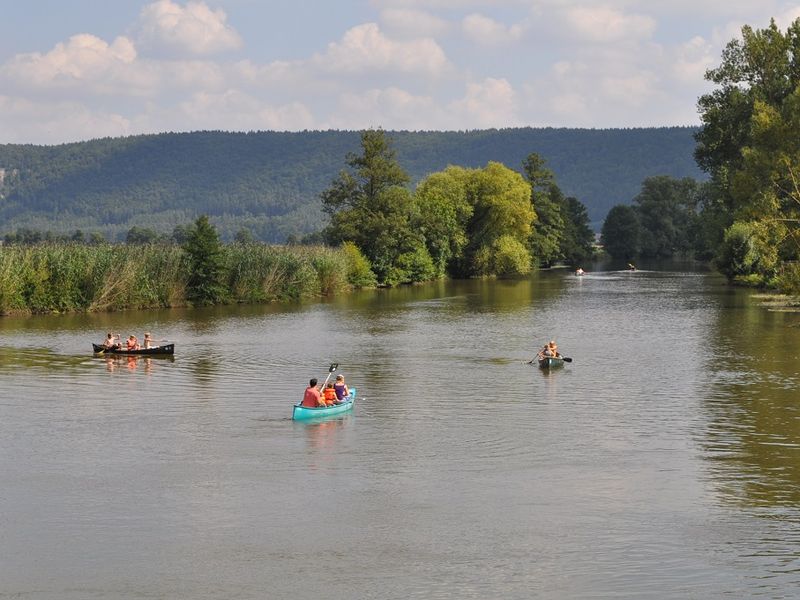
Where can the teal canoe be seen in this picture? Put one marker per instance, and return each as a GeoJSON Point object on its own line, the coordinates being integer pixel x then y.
{"type": "Point", "coordinates": [550, 363]}
{"type": "Point", "coordinates": [302, 413]}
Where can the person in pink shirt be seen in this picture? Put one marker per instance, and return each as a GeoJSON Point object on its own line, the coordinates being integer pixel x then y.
{"type": "Point", "coordinates": [312, 397]}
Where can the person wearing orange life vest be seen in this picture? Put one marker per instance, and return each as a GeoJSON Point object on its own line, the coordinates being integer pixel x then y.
{"type": "Point", "coordinates": [132, 343]}
{"type": "Point", "coordinates": [312, 398]}
{"type": "Point", "coordinates": [330, 395]}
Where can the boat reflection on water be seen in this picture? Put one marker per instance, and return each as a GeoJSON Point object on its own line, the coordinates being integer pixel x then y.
{"type": "Point", "coordinates": [132, 363]}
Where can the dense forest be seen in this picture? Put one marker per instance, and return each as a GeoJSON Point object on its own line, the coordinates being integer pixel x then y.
{"type": "Point", "coordinates": [269, 183]}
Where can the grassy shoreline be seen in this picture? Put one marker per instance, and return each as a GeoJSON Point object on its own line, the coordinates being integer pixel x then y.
{"type": "Point", "coordinates": [67, 277]}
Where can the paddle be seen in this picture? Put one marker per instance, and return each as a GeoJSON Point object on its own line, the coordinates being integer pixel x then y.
{"type": "Point", "coordinates": [331, 369]}
{"type": "Point", "coordinates": [564, 358]}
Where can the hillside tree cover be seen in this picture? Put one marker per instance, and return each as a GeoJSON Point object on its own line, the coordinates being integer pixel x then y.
{"type": "Point", "coordinates": [269, 182]}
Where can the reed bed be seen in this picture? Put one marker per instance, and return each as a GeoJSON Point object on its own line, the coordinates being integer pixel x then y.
{"type": "Point", "coordinates": [66, 277]}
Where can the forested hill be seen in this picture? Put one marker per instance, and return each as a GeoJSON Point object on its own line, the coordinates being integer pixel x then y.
{"type": "Point", "coordinates": [269, 182]}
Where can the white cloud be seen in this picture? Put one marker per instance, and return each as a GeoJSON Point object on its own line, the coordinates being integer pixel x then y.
{"type": "Point", "coordinates": [191, 30]}
{"type": "Point", "coordinates": [489, 103]}
{"type": "Point", "coordinates": [366, 48]}
{"type": "Point", "coordinates": [83, 58]}
{"type": "Point", "coordinates": [27, 122]}
{"type": "Point", "coordinates": [378, 107]}
{"type": "Point", "coordinates": [692, 59]}
{"type": "Point", "coordinates": [236, 110]}
{"type": "Point", "coordinates": [485, 30]}
{"type": "Point", "coordinates": [605, 25]}
{"type": "Point", "coordinates": [413, 23]}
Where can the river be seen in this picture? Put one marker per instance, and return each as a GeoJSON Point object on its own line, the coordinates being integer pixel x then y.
{"type": "Point", "coordinates": [663, 462]}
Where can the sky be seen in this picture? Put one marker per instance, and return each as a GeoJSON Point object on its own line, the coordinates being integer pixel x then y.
{"type": "Point", "coordinates": [83, 69]}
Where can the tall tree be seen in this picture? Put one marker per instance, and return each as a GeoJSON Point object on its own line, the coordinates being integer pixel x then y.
{"type": "Point", "coordinates": [442, 213]}
{"type": "Point", "coordinates": [500, 226]}
{"type": "Point", "coordinates": [621, 232]}
{"type": "Point", "coordinates": [547, 201]}
{"type": "Point", "coordinates": [577, 241]}
{"type": "Point", "coordinates": [370, 206]}
{"type": "Point", "coordinates": [206, 263]}
{"type": "Point", "coordinates": [749, 144]}
{"type": "Point", "coordinates": [667, 215]}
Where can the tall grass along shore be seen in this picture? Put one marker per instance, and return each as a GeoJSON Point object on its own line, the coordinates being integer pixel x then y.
{"type": "Point", "coordinates": [66, 277]}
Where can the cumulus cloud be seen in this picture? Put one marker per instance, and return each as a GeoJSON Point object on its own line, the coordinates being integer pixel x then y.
{"type": "Point", "coordinates": [377, 107]}
{"type": "Point", "coordinates": [692, 59]}
{"type": "Point", "coordinates": [413, 23]}
{"type": "Point", "coordinates": [365, 48]}
{"type": "Point", "coordinates": [42, 122]}
{"type": "Point", "coordinates": [604, 24]}
{"type": "Point", "coordinates": [485, 30]}
{"type": "Point", "coordinates": [190, 30]}
{"type": "Point", "coordinates": [488, 103]}
{"type": "Point", "coordinates": [236, 110]}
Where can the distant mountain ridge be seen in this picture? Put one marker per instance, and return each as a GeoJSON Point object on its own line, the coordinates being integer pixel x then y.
{"type": "Point", "coordinates": [269, 182]}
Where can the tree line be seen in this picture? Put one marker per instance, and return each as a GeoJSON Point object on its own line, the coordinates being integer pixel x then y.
{"type": "Point", "coordinates": [459, 222]}
{"type": "Point", "coordinates": [269, 182]}
{"type": "Point", "coordinates": [746, 218]}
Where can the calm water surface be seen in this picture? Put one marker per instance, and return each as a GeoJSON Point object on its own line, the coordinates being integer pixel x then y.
{"type": "Point", "coordinates": [664, 462]}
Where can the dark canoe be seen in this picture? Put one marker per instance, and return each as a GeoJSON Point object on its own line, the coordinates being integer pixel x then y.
{"type": "Point", "coordinates": [550, 363]}
{"type": "Point", "coordinates": [165, 349]}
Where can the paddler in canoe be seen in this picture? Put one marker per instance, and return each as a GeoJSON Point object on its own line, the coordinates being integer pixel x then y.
{"type": "Point", "coordinates": [312, 397]}
{"type": "Point", "coordinates": [111, 342]}
{"type": "Point", "coordinates": [550, 350]}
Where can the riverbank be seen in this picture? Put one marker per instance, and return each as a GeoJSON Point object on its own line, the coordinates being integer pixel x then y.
{"type": "Point", "coordinates": [58, 278]}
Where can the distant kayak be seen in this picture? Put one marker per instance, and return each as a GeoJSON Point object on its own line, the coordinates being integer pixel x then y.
{"type": "Point", "coordinates": [302, 413]}
{"type": "Point", "coordinates": [165, 349]}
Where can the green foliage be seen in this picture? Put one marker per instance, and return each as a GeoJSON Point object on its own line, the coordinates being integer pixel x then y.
{"type": "Point", "coordinates": [621, 233]}
{"type": "Point", "coordinates": [505, 257]}
{"type": "Point", "coordinates": [69, 277]}
{"type": "Point", "coordinates": [206, 263]}
{"type": "Point", "coordinates": [748, 252]}
{"type": "Point", "coordinates": [501, 207]}
{"type": "Point", "coordinates": [548, 200]}
{"type": "Point", "coordinates": [666, 209]}
{"type": "Point", "coordinates": [359, 273]}
{"type": "Point", "coordinates": [442, 214]}
{"type": "Point", "coordinates": [370, 207]}
{"type": "Point", "coordinates": [141, 235]}
{"type": "Point", "coordinates": [577, 242]}
{"type": "Point", "coordinates": [750, 144]}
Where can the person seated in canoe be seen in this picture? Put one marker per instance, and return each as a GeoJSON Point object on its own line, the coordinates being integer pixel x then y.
{"type": "Point", "coordinates": [111, 341]}
{"type": "Point", "coordinates": [550, 350]}
{"type": "Point", "coordinates": [579, 271]}
{"type": "Point", "coordinates": [148, 341]}
{"type": "Point", "coordinates": [132, 343]}
{"type": "Point", "coordinates": [312, 398]}
{"type": "Point", "coordinates": [342, 392]}
{"type": "Point", "coordinates": [329, 395]}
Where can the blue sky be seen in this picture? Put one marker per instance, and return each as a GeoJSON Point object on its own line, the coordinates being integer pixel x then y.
{"type": "Point", "coordinates": [93, 68]}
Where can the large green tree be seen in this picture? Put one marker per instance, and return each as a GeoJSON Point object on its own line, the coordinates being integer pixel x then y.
{"type": "Point", "coordinates": [370, 205]}
{"type": "Point", "coordinates": [750, 144]}
{"type": "Point", "coordinates": [621, 232]}
{"type": "Point", "coordinates": [577, 241]}
{"type": "Point", "coordinates": [547, 200]}
{"type": "Point", "coordinates": [442, 213]}
{"type": "Point", "coordinates": [667, 213]}
{"type": "Point", "coordinates": [500, 226]}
